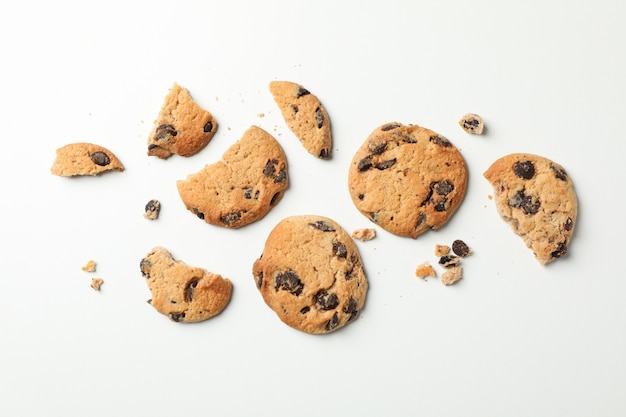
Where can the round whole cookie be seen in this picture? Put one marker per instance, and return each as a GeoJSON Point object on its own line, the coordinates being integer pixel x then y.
{"type": "Point", "coordinates": [181, 292]}
{"type": "Point", "coordinates": [311, 274]}
{"type": "Point", "coordinates": [536, 197]}
{"type": "Point", "coordinates": [243, 186]}
{"type": "Point", "coordinates": [407, 179]}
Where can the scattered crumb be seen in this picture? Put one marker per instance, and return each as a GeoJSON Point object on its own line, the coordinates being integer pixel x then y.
{"type": "Point", "coordinates": [90, 267]}
{"type": "Point", "coordinates": [425, 270]}
{"type": "Point", "coordinates": [449, 261]}
{"type": "Point", "coordinates": [96, 283]}
{"type": "Point", "coordinates": [460, 248]}
{"type": "Point", "coordinates": [441, 250]}
{"type": "Point", "coordinates": [489, 196]}
{"type": "Point", "coordinates": [472, 123]}
{"type": "Point", "coordinates": [452, 275]}
{"type": "Point", "coordinates": [261, 115]}
{"type": "Point", "coordinates": [364, 234]}
{"type": "Point", "coordinates": [152, 210]}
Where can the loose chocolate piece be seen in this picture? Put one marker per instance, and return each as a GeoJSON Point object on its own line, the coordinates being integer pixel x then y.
{"type": "Point", "coordinates": [100, 158]}
{"type": "Point", "coordinates": [460, 248]}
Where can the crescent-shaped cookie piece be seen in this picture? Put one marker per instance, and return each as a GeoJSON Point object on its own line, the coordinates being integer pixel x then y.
{"type": "Point", "coordinates": [82, 158]}
{"type": "Point", "coordinates": [536, 197]}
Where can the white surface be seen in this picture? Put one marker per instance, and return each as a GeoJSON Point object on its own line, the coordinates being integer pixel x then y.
{"type": "Point", "coordinates": [511, 339]}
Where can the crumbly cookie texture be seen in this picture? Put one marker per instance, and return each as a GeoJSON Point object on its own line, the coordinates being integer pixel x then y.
{"type": "Point", "coordinates": [536, 197]}
{"type": "Point", "coordinates": [90, 266]}
{"type": "Point", "coordinates": [243, 186]}
{"type": "Point", "coordinates": [407, 179]}
{"type": "Point", "coordinates": [472, 123]}
{"type": "Point", "coordinates": [182, 127]}
{"type": "Point", "coordinates": [364, 234]}
{"type": "Point", "coordinates": [96, 283]}
{"type": "Point", "coordinates": [152, 209]}
{"type": "Point", "coordinates": [452, 275]}
{"type": "Point", "coordinates": [441, 250]}
{"type": "Point", "coordinates": [83, 158]}
{"type": "Point", "coordinates": [181, 292]}
{"type": "Point", "coordinates": [305, 116]}
{"type": "Point", "coordinates": [425, 269]}
{"type": "Point", "coordinates": [311, 274]}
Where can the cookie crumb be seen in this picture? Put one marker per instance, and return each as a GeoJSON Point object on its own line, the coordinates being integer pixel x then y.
{"type": "Point", "coordinates": [152, 210]}
{"type": "Point", "coordinates": [424, 270]}
{"type": "Point", "coordinates": [449, 261]}
{"type": "Point", "coordinates": [364, 234]}
{"type": "Point", "coordinates": [441, 250]}
{"type": "Point", "coordinates": [452, 275]}
{"type": "Point", "coordinates": [460, 248]}
{"type": "Point", "coordinates": [90, 266]}
{"type": "Point", "coordinates": [472, 123]}
{"type": "Point", "coordinates": [96, 283]}
{"type": "Point", "coordinates": [261, 115]}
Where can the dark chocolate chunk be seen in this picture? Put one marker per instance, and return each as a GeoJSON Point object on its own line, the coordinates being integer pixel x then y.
{"type": "Point", "coordinates": [421, 219]}
{"type": "Point", "coordinates": [390, 126]}
{"type": "Point", "coordinates": [361, 196]}
{"type": "Point", "coordinates": [441, 205]}
{"type": "Point", "coordinates": [323, 226]}
{"type": "Point", "coordinates": [527, 203]}
{"type": "Point", "coordinates": [448, 261]}
{"type": "Point", "coordinates": [288, 281]}
{"type": "Point", "coordinates": [324, 154]}
{"type": "Point", "coordinates": [319, 118]}
{"type": "Point", "coordinates": [152, 208]}
{"type": "Point", "coordinates": [409, 139]}
{"type": "Point", "coordinates": [275, 198]}
{"type": "Point", "coordinates": [231, 217]}
{"type": "Point", "coordinates": [351, 309]}
{"type": "Point", "coordinates": [339, 250]}
{"type": "Point", "coordinates": [281, 176]}
{"type": "Point", "coordinates": [325, 300]}
{"type": "Point", "coordinates": [189, 289]}
{"type": "Point", "coordinates": [333, 322]}
{"type": "Point", "coordinates": [561, 249]}
{"type": "Point", "coordinates": [100, 158]}
{"type": "Point", "coordinates": [247, 193]}
{"type": "Point", "coordinates": [165, 132]}
{"type": "Point", "coordinates": [386, 164]}
{"type": "Point", "coordinates": [208, 127]}
{"type": "Point", "coordinates": [460, 248]}
{"type": "Point", "coordinates": [377, 149]}
{"type": "Point", "coordinates": [259, 280]}
{"type": "Point", "coordinates": [269, 167]}
{"type": "Point", "coordinates": [198, 213]}
{"type": "Point", "coordinates": [305, 309]}
{"type": "Point", "coordinates": [177, 316]}
{"type": "Point", "coordinates": [145, 266]}
{"type": "Point", "coordinates": [295, 108]}
{"type": "Point", "coordinates": [302, 92]}
{"type": "Point", "coordinates": [524, 169]}
{"type": "Point", "coordinates": [365, 163]}
{"type": "Point", "coordinates": [444, 187]}
{"type": "Point", "coordinates": [569, 224]}
{"type": "Point", "coordinates": [559, 172]}
{"type": "Point", "coordinates": [440, 140]}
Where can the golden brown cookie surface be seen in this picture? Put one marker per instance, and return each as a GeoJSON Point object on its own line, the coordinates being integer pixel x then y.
{"type": "Point", "coordinates": [311, 274]}
{"type": "Point", "coordinates": [407, 179]}
{"type": "Point", "coordinates": [82, 158]}
{"type": "Point", "coordinates": [536, 197]}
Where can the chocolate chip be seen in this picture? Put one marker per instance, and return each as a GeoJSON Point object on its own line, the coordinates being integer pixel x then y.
{"type": "Point", "coordinates": [351, 309]}
{"type": "Point", "coordinates": [409, 139]}
{"type": "Point", "coordinates": [440, 140]}
{"type": "Point", "coordinates": [323, 226]}
{"type": "Point", "coordinates": [559, 172]}
{"type": "Point", "coordinates": [444, 187]}
{"type": "Point", "coordinates": [333, 322]}
{"type": "Point", "coordinates": [295, 108]}
{"type": "Point", "coordinates": [365, 163]}
{"type": "Point", "coordinates": [269, 167]}
{"type": "Point", "coordinates": [525, 169]}
{"type": "Point", "coordinates": [561, 249]}
{"type": "Point", "coordinates": [275, 199]}
{"type": "Point", "coordinates": [460, 248]}
{"type": "Point", "coordinates": [189, 289]}
{"type": "Point", "coordinates": [231, 217]}
{"type": "Point", "coordinates": [324, 154]}
{"type": "Point", "coordinates": [325, 300]}
{"type": "Point", "coordinates": [441, 204]}
{"type": "Point", "coordinates": [339, 250]}
{"type": "Point", "coordinates": [390, 126]}
{"type": "Point", "coordinates": [361, 196]}
{"type": "Point", "coordinates": [302, 92]}
{"type": "Point", "coordinates": [281, 176]}
{"type": "Point", "coordinates": [165, 132]}
{"type": "Point", "coordinates": [386, 164]}
{"type": "Point", "coordinates": [569, 224]}
{"type": "Point", "coordinates": [100, 158]}
{"type": "Point", "coordinates": [288, 281]}
{"type": "Point", "coordinates": [421, 219]}
{"type": "Point", "coordinates": [145, 266]}
{"type": "Point", "coordinates": [305, 310]}
{"type": "Point", "coordinates": [259, 280]}
{"type": "Point", "coordinates": [177, 316]}
{"type": "Point", "coordinates": [247, 193]}
{"type": "Point", "coordinates": [377, 149]}
{"type": "Point", "coordinates": [527, 203]}
{"type": "Point", "coordinates": [152, 209]}
{"type": "Point", "coordinates": [319, 118]}
{"type": "Point", "coordinates": [448, 261]}
{"type": "Point", "coordinates": [198, 213]}
{"type": "Point", "coordinates": [208, 127]}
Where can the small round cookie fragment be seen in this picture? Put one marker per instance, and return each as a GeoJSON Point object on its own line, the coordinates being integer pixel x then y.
{"type": "Point", "coordinates": [83, 158]}
{"type": "Point", "coordinates": [311, 274]}
{"type": "Point", "coordinates": [472, 123]}
{"type": "Point", "coordinates": [407, 179]}
{"type": "Point", "coordinates": [305, 116]}
{"type": "Point", "coordinates": [364, 234]}
{"type": "Point", "coordinates": [243, 186]}
{"type": "Point", "coordinates": [181, 292]}
{"type": "Point", "coordinates": [152, 209]}
{"type": "Point", "coordinates": [182, 127]}
{"type": "Point", "coordinates": [536, 197]}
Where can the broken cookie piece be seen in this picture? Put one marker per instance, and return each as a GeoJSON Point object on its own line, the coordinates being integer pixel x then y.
{"type": "Point", "coordinates": [90, 266]}
{"type": "Point", "coordinates": [364, 234]}
{"type": "Point", "coordinates": [152, 210]}
{"type": "Point", "coordinates": [82, 158]}
{"type": "Point", "coordinates": [424, 270]}
{"type": "Point", "coordinates": [96, 283]}
{"type": "Point", "coordinates": [452, 275]}
{"type": "Point", "coordinates": [472, 123]}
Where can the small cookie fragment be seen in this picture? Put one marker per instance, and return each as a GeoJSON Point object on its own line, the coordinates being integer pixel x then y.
{"type": "Point", "coordinates": [536, 197]}
{"type": "Point", "coordinates": [311, 274]}
{"type": "Point", "coordinates": [460, 248]}
{"type": "Point", "coordinates": [452, 275]}
{"type": "Point", "coordinates": [305, 116]}
{"type": "Point", "coordinates": [424, 270]}
{"type": "Point", "coordinates": [449, 261]}
{"type": "Point", "coordinates": [472, 123]}
{"type": "Point", "coordinates": [83, 158]}
{"type": "Point", "coordinates": [96, 283]}
{"type": "Point", "coordinates": [182, 127]}
{"type": "Point", "coordinates": [364, 234]}
{"type": "Point", "coordinates": [243, 186]}
{"type": "Point", "coordinates": [181, 292]}
{"type": "Point", "coordinates": [90, 266]}
{"type": "Point", "coordinates": [441, 250]}
{"type": "Point", "coordinates": [152, 210]}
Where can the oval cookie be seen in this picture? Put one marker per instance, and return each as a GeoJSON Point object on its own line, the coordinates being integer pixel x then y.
{"type": "Point", "coordinates": [311, 274]}
{"type": "Point", "coordinates": [84, 158]}
{"type": "Point", "coordinates": [241, 188]}
{"type": "Point", "coordinates": [536, 197]}
{"type": "Point", "coordinates": [407, 179]}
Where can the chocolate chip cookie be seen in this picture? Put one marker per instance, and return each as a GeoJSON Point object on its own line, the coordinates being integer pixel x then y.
{"type": "Point", "coordinates": [310, 273]}
{"type": "Point", "coordinates": [84, 158]}
{"type": "Point", "coordinates": [182, 127]}
{"type": "Point", "coordinates": [536, 197]}
{"type": "Point", "coordinates": [305, 116]}
{"type": "Point", "coordinates": [243, 186]}
{"type": "Point", "coordinates": [181, 292]}
{"type": "Point", "coordinates": [407, 179]}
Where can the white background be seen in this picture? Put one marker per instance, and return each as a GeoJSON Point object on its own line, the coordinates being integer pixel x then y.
{"type": "Point", "coordinates": [512, 338]}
